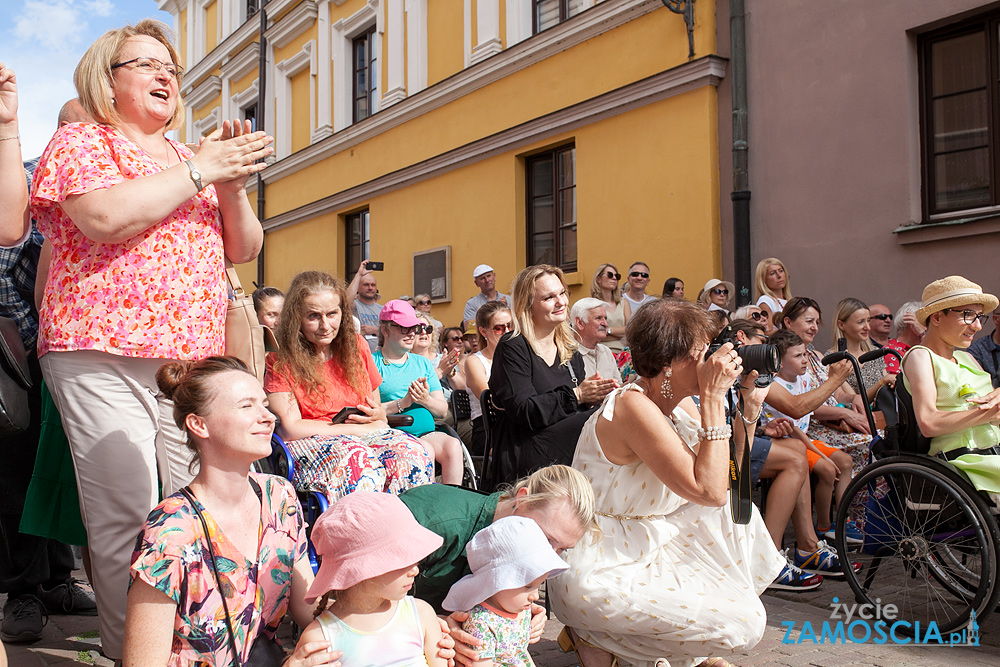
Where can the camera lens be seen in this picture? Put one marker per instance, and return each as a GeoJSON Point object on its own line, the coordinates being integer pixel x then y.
{"type": "Point", "coordinates": [761, 358]}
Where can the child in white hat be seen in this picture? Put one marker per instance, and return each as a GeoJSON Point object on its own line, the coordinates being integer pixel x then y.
{"type": "Point", "coordinates": [371, 544]}
{"type": "Point", "coordinates": [509, 560]}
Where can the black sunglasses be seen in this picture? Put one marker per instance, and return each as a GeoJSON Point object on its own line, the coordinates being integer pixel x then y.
{"type": "Point", "coordinates": [721, 291]}
{"type": "Point", "coordinates": [425, 329]}
{"type": "Point", "coordinates": [758, 316]}
{"type": "Point", "coordinates": [613, 274]}
{"type": "Point", "coordinates": [883, 317]}
{"type": "Point", "coordinates": [423, 302]}
{"type": "Point", "coordinates": [638, 274]}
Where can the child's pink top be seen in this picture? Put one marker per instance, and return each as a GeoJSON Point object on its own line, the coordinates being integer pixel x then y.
{"type": "Point", "coordinates": [161, 293]}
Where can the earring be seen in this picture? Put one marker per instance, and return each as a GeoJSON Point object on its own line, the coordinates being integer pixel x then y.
{"type": "Point", "coordinates": [665, 389]}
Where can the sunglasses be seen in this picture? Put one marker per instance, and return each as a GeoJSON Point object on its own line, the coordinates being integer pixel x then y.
{"type": "Point", "coordinates": [425, 329]}
{"type": "Point", "coordinates": [406, 331]}
{"type": "Point", "coordinates": [638, 274]}
{"type": "Point", "coordinates": [883, 317]}
{"type": "Point", "coordinates": [615, 275]}
{"type": "Point", "coordinates": [452, 339]}
{"type": "Point", "coordinates": [720, 291]}
{"type": "Point", "coordinates": [423, 302]}
{"type": "Point", "coordinates": [502, 328]}
{"type": "Point", "coordinates": [757, 316]}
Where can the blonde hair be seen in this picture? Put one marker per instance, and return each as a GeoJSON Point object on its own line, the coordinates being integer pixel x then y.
{"type": "Point", "coordinates": [760, 285]}
{"type": "Point", "coordinates": [93, 76]}
{"type": "Point", "coordinates": [595, 285]}
{"type": "Point", "coordinates": [523, 294]}
{"type": "Point", "coordinates": [845, 309]}
{"type": "Point", "coordinates": [296, 356]}
{"type": "Point", "coordinates": [554, 483]}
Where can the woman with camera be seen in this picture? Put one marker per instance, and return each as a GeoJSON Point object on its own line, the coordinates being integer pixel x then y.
{"type": "Point", "coordinates": [671, 577]}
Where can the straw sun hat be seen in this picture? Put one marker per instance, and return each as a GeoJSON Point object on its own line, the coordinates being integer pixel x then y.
{"type": "Point", "coordinates": [952, 292]}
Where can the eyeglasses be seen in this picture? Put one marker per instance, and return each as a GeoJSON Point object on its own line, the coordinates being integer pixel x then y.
{"type": "Point", "coordinates": [969, 316]}
{"type": "Point", "coordinates": [406, 331]}
{"type": "Point", "coordinates": [452, 339]}
{"type": "Point", "coordinates": [424, 302]}
{"type": "Point", "coordinates": [151, 66]}
{"type": "Point", "coordinates": [503, 328]}
{"type": "Point", "coordinates": [638, 274]}
{"type": "Point", "coordinates": [720, 291]}
{"type": "Point", "coordinates": [882, 316]}
{"type": "Point", "coordinates": [615, 275]}
{"type": "Point", "coordinates": [425, 329]}
{"type": "Point", "coordinates": [758, 316]}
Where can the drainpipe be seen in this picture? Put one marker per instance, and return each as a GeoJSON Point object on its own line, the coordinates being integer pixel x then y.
{"type": "Point", "coordinates": [261, 106]}
{"type": "Point", "coordinates": [741, 178]}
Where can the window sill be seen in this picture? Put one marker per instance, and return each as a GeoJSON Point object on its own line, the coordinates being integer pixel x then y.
{"type": "Point", "coordinates": [984, 223]}
{"type": "Point", "coordinates": [572, 278]}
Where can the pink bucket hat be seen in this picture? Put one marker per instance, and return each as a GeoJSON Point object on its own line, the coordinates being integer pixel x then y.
{"type": "Point", "coordinates": [363, 535]}
{"type": "Point", "coordinates": [400, 312]}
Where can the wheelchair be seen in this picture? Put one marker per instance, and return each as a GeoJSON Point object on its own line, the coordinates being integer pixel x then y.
{"type": "Point", "coordinates": [931, 540]}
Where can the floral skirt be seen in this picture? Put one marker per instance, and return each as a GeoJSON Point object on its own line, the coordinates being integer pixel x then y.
{"type": "Point", "coordinates": [385, 460]}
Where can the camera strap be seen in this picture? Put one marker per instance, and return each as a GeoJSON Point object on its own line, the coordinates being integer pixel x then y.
{"type": "Point", "coordinates": [739, 474]}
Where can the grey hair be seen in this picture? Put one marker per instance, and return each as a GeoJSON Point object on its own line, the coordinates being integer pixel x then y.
{"type": "Point", "coordinates": [583, 307]}
{"type": "Point", "coordinates": [743, 312]}
{"type": "Point", "coordinates": [904, 310]}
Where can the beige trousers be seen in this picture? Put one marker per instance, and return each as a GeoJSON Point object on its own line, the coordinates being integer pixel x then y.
{"type": "Point", "coordinates": [123, 439]}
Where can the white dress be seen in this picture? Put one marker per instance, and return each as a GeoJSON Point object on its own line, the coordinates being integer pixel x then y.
{"type": "Point", "coordinates": [669, 579]}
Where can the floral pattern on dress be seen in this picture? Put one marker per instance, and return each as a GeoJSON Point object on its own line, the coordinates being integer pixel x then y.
{"type": "Point", "coordinates": [161, 293]}
{"type": "Point", "coordinates": [172, 556]}
{"type": "Point", "coordinates": [504, 639]}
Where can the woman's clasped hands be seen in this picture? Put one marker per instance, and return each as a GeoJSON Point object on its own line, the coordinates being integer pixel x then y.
{"type": "Point", "coordinates": [718, 373]}
{"type": "Point", "coordinates": [231, 154]}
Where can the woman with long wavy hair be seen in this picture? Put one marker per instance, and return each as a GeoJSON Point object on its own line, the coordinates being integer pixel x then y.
{"type": "Point", "coordinates": [604, 286]}
{"type": "Point", "coordinates": [324, 366]}
{"type": "Point", "coordinates": [537, 378]}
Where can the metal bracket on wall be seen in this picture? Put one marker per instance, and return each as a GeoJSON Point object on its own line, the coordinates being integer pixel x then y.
{"type": "Point", "coordinates": [685, 7]}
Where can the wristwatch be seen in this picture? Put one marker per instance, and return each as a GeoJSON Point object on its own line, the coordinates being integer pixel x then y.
{"type": "Point", "coordinates": [195, 175]}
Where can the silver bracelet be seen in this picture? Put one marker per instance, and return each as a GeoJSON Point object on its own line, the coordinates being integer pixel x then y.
{"type": "Point", "coordinates": [751, 421]}
{"type": "Point", "coordinates": [399, 410]}
{"type": "Point", "coordinates": [723, 432]}
{"type": "Point", "coordinates": [16, 136]}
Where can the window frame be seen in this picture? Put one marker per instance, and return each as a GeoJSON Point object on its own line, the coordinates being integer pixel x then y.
{"type": "Point", "coordinates": [554, 155]}
{"type": "Point", "coordinates": [371, 65]}
{"type": "Point", "coordinates": [351, 264]}
{"type": "Point", "coordinates": [989, 24]}
{"type": "Point", "coordinates": [564, 14]}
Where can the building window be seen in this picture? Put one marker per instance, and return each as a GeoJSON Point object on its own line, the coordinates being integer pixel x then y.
{"type": "Point", "coordinates": [548, 13]}
{"type": "Point", "coordinates": [551, 191]}
{"type": "Point", "coordinates": [959, 114]}
{"type": "Point", "coordinates": [357, 241]}
{"type": "Point", "coordinates": [252, 7]}
{"type": "Point", "coordinates": [365, 70]}
{"type": "Point", "coordinates": [250, 114]}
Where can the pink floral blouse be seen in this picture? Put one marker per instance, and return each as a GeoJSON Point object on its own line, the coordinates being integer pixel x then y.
{"type": "Point", "coordinates": [159, 295]}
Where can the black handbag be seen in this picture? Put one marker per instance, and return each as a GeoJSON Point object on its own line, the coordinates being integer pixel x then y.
{"type": "Point", "coordinates": [265, 652]}
{"type": "Point", "coordinates": [15, 380]}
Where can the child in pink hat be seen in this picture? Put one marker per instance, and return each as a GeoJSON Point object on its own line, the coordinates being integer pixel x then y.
{"type": "Point", "coordinates": [371, 544]}
{"type": "Point", "coordinates": [509, 560]}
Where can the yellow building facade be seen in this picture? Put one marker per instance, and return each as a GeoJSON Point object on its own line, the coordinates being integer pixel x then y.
{"type": "Point", "coordinates": [436, 135]}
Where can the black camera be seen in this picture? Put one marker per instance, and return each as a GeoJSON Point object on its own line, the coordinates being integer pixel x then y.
{"type": "Point", "coordinates": [761, 358]}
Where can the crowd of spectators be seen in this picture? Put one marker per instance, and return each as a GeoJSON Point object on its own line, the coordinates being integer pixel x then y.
{"type": "Point", "coordinates": [611, 427]}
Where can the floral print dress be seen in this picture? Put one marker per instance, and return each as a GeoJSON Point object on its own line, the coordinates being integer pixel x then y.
{"type": "Point", "coordinates": [172, 556]}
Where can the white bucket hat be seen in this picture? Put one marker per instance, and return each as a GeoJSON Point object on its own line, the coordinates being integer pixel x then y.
{"type": "Point", "coordinates": [509, 553]}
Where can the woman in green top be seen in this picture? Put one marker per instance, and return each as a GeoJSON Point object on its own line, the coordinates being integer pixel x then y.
{"type": "Point", "coordinates": [953, 398]}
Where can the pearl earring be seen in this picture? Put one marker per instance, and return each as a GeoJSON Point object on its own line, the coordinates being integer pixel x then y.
{"type": "Point", "coordinates": [665, 389]}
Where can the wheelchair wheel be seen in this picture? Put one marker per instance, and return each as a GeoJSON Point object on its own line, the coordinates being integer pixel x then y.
{"type": "Point", "coordinates": [931, 544]}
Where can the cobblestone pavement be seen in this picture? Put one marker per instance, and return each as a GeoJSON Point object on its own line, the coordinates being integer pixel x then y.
{"type": "Point", "coordinates": [73, 640]}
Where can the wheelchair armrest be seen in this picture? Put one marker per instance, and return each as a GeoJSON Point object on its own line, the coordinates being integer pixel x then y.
{"type": "Point", "coordinates": [399, 421]}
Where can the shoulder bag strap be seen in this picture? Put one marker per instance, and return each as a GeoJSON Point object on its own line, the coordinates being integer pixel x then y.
{"type": "Point", "coordinates": [234, 279]}
{"type": "Point", "coordinates": [236, 662]}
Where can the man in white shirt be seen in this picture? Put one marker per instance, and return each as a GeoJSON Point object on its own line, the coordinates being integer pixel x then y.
{"type": "Point", "coordinates": [486, 281]}
{"type": "Point", "coordinates": [589, 317]}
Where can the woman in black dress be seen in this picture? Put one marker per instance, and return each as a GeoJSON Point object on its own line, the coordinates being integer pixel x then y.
{"type": "Point", "coordinates": [538, 382]}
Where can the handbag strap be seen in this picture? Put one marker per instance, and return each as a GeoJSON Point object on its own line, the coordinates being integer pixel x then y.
{"type": "Point", "coordinates": [186, 491]}
{"type": "Point", "coordinates": [234, 279]}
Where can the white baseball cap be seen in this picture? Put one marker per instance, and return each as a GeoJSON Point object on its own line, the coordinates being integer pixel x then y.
{"type": "Point", "coordinates": [480, 270]}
